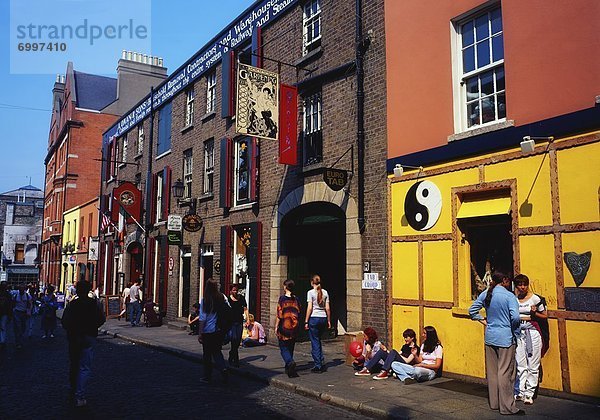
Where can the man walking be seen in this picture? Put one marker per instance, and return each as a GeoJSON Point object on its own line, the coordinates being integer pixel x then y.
{"type": "Point", "coordinates": [81, 318]}
{"type": "Point", "coordinates": [22, 303]}
{"type": "Point", "coordinates": [135, 305]}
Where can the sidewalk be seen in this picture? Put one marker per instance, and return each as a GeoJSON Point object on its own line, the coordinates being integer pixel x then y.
{"type": "Point", "coordinates": [441, 398]}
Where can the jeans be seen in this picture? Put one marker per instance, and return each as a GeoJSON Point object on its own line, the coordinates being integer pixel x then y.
{"type": "Point", "coordinates": [251, 342]}
{"type": "Point", "coordinates": [135, 312]}
{"type": "Point", "coordinates": [420, 374]}
{"type": "Point", "coordinates": [3, 324]}
{"type": "Point", "coordinates": [19, 326]}
{"type": "Point", "coordinates": [286, 348]}
{"type": "Point", "coordinates": [236, 339]}
{"type": "Point", "coordinates": [388, 358]}
{"type": "Point", "coordinates": [81, 353]}
{"type": "Point", "coordinates": [211, 350]}
{"type": "Point", "coordinates": [316, 327]}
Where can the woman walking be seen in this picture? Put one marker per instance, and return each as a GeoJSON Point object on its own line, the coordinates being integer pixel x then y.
{"type": "Point", "coordinates": [529, 342]}
{"type": "Point", "coordinates": [48, 310]}
{"type": "Point", "coordinates": [286, 326]}
{"type": "Point", "coordinates": [502, 328]}
{"type": "Point", "coordinates": [210, 335]}
{"type": "Point", "coordinates": [239, 309]}
{"type": "Point", "coordinates": [318, 319]}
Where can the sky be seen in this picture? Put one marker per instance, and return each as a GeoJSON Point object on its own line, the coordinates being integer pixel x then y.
{"type": "Point", "coordinates": [177, 30]}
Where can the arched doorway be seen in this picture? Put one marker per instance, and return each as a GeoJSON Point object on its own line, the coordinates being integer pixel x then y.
{"type": "Point", "coordinates": [135, 262]}
{"type": "Point", "coordinates": [314, 240]}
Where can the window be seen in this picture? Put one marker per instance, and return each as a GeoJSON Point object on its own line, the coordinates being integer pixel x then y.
{"type": "Point", "coordinates": [164, 129]}
{"type": "Point", "coordinates": [209, 166]}
{"type": "Point", "coordinates": [482, 69]}
{"type": "Point", "coordinates": [211, 92]}
{"type": "Point", "coordinates": [140, 139]}
{"type": "Point", "coordinates": [311, 23]}
{"type": "Point", "coordinates": [313, 137]}
{"type": "Point", "coordinates": [19, 253]}
{"type": "Point", "coordinates": [124, 151]}
{"type": "Point", "coordinates": [189, 107]}
{"type": "Point", "coordinates": [116, 156]}
{"type": "Point", "coordinates": [241, 176]}
{"type": "Point", "coordinates": [187, 172]}
{"type": "Point", "coordinates": [159, 194]}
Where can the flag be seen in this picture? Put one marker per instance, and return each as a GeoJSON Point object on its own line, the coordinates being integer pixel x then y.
{"type": "Point", "coordinates": [106, 222]}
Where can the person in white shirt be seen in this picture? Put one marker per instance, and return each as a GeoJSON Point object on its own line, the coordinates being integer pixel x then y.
{"type": "Point", "coordinates": [318, 319]}
{"type": "Point", "coordinates": [429, 361]}
{"type": "Point", "coordinates": [135, 304]}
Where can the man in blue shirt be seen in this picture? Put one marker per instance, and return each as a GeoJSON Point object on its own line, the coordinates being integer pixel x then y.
{"type": "Point", "coordinates": [502, 327]}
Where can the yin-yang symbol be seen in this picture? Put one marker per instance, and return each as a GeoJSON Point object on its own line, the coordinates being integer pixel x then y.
{"type": "Point", "coordinates": [423, 205]}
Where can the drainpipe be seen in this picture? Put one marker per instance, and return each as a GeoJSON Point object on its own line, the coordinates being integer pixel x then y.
{"type": "Point", "coordinates": [360, 111]}
{"type": "Point", "coordinates": [148, 199]}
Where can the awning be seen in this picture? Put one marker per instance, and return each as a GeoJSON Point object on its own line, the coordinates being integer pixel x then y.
{"type": "Point", "coordinates": [489, 207]}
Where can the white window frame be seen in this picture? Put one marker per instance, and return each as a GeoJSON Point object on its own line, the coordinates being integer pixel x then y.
{"type": "Point", "coordinates": [312, 108]}
{"type": "Point", "coordinates": [188, 166]}
{"type": "Point", "coordinates": [211, 92]}
{"type": "Point", "coordinates": [140, 141]}
{"type": "Point", "coordinates": [460, 78]}
{"type": "Point", "coordinates": [310, 20]}
{"type": "Point", "coordinates": [124, 150]}
{"type": "Point", "coordinates": [159, 193]}
{"type": "Point", "coordinates": [189, 106]}
{"type": "Point", "coordinates": [209, 167]}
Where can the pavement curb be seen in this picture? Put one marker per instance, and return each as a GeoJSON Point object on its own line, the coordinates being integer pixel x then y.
{"type": "Point", "coordinates": [333, 400]}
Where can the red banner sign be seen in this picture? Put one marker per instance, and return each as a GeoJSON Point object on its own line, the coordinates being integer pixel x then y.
{"type": "Point", "coordinates": [288, 124]}
{"type": "Point", "coordinates": [129, 198]}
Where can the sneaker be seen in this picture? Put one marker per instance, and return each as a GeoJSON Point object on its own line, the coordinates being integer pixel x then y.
{"type": "Point", "coordinates": [382, 375]}
{"type": "Point", "coordinates": [363, 372]}
{"type": "Point", "coordinates": [527, 400]}
{"type": "Point", "coordinates": [80, 402]}
{"type": "Point", "coordinates": [291, 370]}
{"type": "Point", "coordinates": [51, 335]}
{"type": "Point", "coordinates": [316, 370]}
{"type": "Point", "coordinates": [409, 381]}
{"type": "Point", "coordinates": [518, 397]}
{"type": "Point", "coordinates": [44, 336]}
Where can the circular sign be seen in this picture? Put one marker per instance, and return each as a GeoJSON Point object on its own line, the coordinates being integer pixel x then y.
{"type": "Point", "coordinates": [192, 222]}
{"type": "Point", "coordinates": [127, 198]}
{"type": "Point", "coordinates": [217, 266]}
{"type": "Point", "coordinates": [423, 205]}
{"type": "Point", "coordinates": [171, 263]}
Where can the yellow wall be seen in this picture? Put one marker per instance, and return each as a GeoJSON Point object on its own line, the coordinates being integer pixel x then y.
{"type": "Point", "coordinates": [537, 262]}
{"type": "Point", "coordinates": [404, 317]}
{"type": "Point", "coordinates": [405, 271]}
{"type": "Point", "coordinates": [578, 176]}
{"type": "Point", "coordinates": [582, 242]}
{"type": "Point", "coordinates": [437, 269]}
{"type": "Point", "coordinates": [551, 361]}
{"type": "Point", "coordinates": [71, 219]}
{"type": "Point", "coordinates": [584, 347]}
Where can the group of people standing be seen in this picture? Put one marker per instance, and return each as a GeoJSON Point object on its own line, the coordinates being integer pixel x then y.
{"type": "Point", "coordinates": [21, 306]}
{"type": "Point", "coordinates": [515, 340]}
{"type": "Point", "coordinates": [220, 316]}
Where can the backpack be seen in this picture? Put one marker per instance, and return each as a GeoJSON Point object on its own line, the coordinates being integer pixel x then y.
{"type": "Point", "coordinates": [224, 316]}
{"type": "Point", "coordinates": [544, 327]}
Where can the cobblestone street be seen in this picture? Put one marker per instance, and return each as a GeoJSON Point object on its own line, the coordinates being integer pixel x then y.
{"type": "Point", "coordinates": [132, 381]}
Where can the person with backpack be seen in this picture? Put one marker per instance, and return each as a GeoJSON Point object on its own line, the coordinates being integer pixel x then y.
{"type": "Point", "coordinates": [502, 329]}
{"type": "Point", "coordinates": [6, 306]}
{"type": "Point", "coordinates": [530, 343]}
{"type": "Point", "coordinates": [214, 321]}
{"type": "Point", "coordinates": [22, 307]}
{"type": "Point", "coordinates": [287, 325]}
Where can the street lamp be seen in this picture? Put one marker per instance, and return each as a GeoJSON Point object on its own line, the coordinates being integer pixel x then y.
{"type": "Point", "coordinates": [178, 190]}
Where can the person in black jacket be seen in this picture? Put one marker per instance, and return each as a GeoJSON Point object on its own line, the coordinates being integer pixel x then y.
{"type": "Point", "coordinates": [82, 318]}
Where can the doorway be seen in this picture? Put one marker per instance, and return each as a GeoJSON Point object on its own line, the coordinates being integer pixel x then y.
{"type": "Point", "coordinates": [185, 281]}
{"type": "Point", "coordinates": [135, 261]}
{"type": "Point", "coordinates": [314, 239]}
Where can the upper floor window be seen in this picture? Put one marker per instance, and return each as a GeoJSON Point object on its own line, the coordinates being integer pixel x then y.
{"type": "Point", "coordinates": [311, 24]}
{"type": "Point", "coordinates": [209, 166]}
{"type": "Point", "coordinates": [19, 253]}
{"type": "Point", "coordinates": [211, 92]}
{"type": "Point", "coordinates": [482, 69]}
{"type": "Point", "coordinates": [164, 129]}
{"type": "Point", "coordinates": [312, 129]}
{"type": "Point", "coordinates": [140, 139]}
{"type": "Point", "coordinates": [241, 178]}
{"type": "Point", "coordinates": [116, 157]}
{"type": "Point", "coordinates": [159, 196]}
{"type": "Point", "coordinates": [124, 149]}
{"type": "Point", "coordinates": [188, 164]}
{"type": "Point", "coordinates": [189, 107]}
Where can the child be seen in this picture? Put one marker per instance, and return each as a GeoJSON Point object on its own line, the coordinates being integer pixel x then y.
{"type": "Point", "coordinates": [256, 333]}
{"type": "Point", "coordinates": [371, 347]}
{"type": "Point", "coordinates": [193, 319]}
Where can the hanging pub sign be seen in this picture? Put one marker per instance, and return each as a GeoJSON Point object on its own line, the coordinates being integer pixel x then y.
{"type": "Point", "coordinates": [129, 198]}
{"type": "Point", "coordinates": [192, 222]}
{"type": "Point", "coordinates": [175, 237]}
{"type": "Point", "coordinates": [93, 248]}
{"type": "Point", "coordinates": [335, 179]}
{"type": "Point", "coordinates": [257, 105]}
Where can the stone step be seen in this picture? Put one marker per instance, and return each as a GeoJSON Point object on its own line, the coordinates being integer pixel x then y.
{"type": "Point", "coordinates": [178, 324]}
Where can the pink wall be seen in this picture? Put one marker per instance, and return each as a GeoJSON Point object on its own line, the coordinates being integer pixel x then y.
{"type": "Point", "coordinates": [552, 64]}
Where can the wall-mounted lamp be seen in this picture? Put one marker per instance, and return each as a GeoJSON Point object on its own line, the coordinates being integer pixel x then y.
{"type": "Point", "coordinates": [399, 169]}
{"type": "Point", "coordinates": [528, 143]}
{"type": "Point", "coordinates": [178, 190]}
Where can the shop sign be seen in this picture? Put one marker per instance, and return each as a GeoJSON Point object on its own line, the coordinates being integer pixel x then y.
{"type": "Point", "coordinates": [217, 266]}
{"type": "Point", "coordinates": [175, 237]}
{"type": "Point", "coordinates": [371, 281]}
{"type": "Point", "coordinates": [423, 205]}
{"type": "Point", "coordinates": [288, 125]}
{"type": "Point", "coordinates": [192, 222]}
{"type": "Point", "coordinates": [72, 259]}
{"type": "Point", "coordinates": [93, 248]}
{"type": "Point", "coordinates": [171, 265]}
{"type": "Point", "coordinates": [174, 222]}
{"type": "Point", "coordinates": [336, 179]}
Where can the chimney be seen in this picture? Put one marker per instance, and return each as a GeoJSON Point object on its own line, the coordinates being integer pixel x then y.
{"type": "Point", "coordinates": [136, 74]}
{"type": "Point", "coordinates": [58, 92]}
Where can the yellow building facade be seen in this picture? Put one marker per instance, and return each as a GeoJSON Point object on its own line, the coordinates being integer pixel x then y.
{"type": "Point", "coordinates": [518, 211]}
{"type": "Point", "coordinates": [68, 274]}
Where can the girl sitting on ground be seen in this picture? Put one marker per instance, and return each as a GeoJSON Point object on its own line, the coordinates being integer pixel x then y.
{"type": "Point", "coordinates": [371, 346]}
{"type": "Point", "coordinates": [256, 333]}
{"type": "Point", "coordinates": [405, 356]}
{"type": "Point", "coordinates": [429, 360]}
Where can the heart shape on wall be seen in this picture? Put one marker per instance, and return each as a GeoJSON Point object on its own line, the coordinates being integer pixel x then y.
{"type": "Point", "coordinates": [578, 265]}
